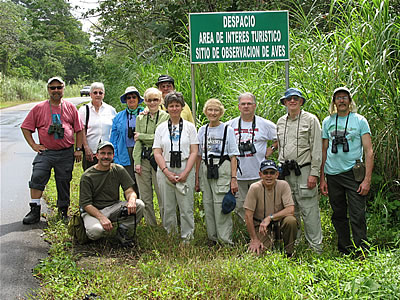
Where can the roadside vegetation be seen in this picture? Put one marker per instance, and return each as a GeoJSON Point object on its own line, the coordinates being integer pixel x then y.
{"type": "Point", "coordinates": [335, 43]}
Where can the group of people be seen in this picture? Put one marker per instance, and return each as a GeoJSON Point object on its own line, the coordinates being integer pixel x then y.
{"type": "Point", "coordinates": [157, 148]}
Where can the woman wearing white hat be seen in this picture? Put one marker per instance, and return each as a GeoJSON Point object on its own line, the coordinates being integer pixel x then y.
{"type": "Point", "coordinates": [123, 131]}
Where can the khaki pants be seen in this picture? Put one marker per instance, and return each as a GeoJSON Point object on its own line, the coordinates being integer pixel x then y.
{"type": "Point", "coordinates": [95, 230]}
{"type": "Point", "coordinates": [145, 183]}
{"type": "Point", "coordinates": [219, 225]}
{"type": "Point", "coordinates": [306, 207]}
{"type": "Point", "coordinates": [244, 186]}
{"type": "Point", "coordinates": [172, 197]}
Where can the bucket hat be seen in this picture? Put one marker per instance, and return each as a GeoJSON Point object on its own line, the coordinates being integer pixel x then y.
{"type": "Point", "coordinates": [130, 90]}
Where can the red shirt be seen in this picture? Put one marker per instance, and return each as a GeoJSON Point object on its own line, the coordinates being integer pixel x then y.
{"type": "Point", "coordinates": [40, 118]}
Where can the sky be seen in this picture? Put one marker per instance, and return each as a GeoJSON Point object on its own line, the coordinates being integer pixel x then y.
{"type": "Point", "coordinates": [83, 5]}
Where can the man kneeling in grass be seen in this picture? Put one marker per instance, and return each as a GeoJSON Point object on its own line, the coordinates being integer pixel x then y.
{"type": "Point", "coordinates": [99, 197]}
{"type": "Point", "coordinates": [270, 211]}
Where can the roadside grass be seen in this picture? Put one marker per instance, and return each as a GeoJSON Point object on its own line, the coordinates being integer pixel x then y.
{"type": "Point", "coordinates": [162, 268]}
{"type": "Point", "coordinates": [15, 91]}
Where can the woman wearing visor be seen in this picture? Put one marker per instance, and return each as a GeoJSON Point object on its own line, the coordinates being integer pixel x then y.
{"type": "Point", "coordinates": [123, 130]}
{"type": "Point", "coordinates": [145, 164]}
{"type": "Point", "coordinates": [175, 150]}
{"type": "Point", "coordinates": [216, 171]}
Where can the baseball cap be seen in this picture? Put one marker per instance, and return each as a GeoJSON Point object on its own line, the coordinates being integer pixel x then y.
{"type": "Point", "coordinates": [341, 89]}
{"type": "Point", "coordinates": [228, 203]}
{"type": "Point", "coordinates": [165, 78]}
{"type": "Point", "coordinates": [55, 78]}
{"type": "Point", "coordinates": [268, 164]}
{"type": "Point", "coordinates": [104, 144]}
{"type": "Point", "coordinates": [292, 92]}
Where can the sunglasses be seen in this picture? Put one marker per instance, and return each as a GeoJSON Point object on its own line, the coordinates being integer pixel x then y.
{"type": "Point", "coordinates": [58, 87]}
{"type": "Point", "coordinates": [98, 92]}
{"type": "Point", "coordinates": [270, 172]}
{"type": "Point", "coordinates": [152, 100]}
{"type": "Point", "coordinates": [131, 97]}
{"type": "Point", "coordinates": [295, 98]}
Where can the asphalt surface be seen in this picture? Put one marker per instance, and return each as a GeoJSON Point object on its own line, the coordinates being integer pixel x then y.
{"type": "Point", "coordinates": [21, 246]}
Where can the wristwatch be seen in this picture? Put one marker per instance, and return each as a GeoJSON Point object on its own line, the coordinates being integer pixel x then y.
{"type": "Point", "coordinates": [273, 148]}
{"type": "Point", "coordinates": [271, 217]}
{"type": "Point", "coordinates": [78, 149]}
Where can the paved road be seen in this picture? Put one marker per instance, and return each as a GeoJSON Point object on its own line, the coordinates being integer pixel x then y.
{"type": "Point", "coordinates": [21, 246]}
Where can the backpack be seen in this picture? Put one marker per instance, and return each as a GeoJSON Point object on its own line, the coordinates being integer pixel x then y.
{"type": "Point", "coordinates": [76, 228]}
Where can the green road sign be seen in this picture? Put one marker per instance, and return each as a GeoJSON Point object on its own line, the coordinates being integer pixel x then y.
{"type": "Point", "coordinates": [239, 36]}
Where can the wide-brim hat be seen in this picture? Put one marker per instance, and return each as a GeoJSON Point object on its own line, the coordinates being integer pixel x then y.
{"type": "Point", "coordinates": [268, 164]}
{"type": "Point", "coordinates": [130, 90]}
{"type": "Point", "coordinates": [341, 89]}
{"type": "Point", "coordinates": [292, 92]}
{"type": "Point", "coordinates": [55, 78]}
{"type": "Point", "coordinates": [165, 78]}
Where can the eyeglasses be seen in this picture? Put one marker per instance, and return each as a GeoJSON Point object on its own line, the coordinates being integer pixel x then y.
{"type": "Point", "coordinates": [295, 98]}
{"type": "Point", "coordinates": [152, 100]}
{"type": "Point", "coordinates": [131, 97]}
{"type": "Point", "coordinates": [98, 92]}
{"type": "Point", "coordinates": [266, 172]}
{"type": "Point", "coordinates": [58, 87]}
{"type": "Point", "coordinates": [342, 98]}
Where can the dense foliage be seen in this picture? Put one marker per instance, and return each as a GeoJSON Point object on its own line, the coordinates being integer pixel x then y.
{"type": "Point", "coordinates": [40, 39]}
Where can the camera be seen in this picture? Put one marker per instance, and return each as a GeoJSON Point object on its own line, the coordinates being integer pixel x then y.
{"type": "Point", "coordinates": [212, 170]}
{"type": "Point", "coordinates": [146, 152]}
{"type": "Point", "coordinates": [56, 128]}
{"type": "Point", "coordinates": [245, 147]}
{"type": "Point", "coordinates": [131, 132]}
{"type": "Point", "coordinates": [290, 165]}
{"type": "Point", "coordinates": [175, 161]}
{"type": "Point", "coordinates": [340, 140]}
{"type": "Point", "coordinates": [123, 212]}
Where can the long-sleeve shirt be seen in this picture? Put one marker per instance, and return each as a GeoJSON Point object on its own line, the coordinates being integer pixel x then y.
{"type": "Point", "coordinates": [146, 126]}
{"type": "Point", "coordinates": [300, 139]}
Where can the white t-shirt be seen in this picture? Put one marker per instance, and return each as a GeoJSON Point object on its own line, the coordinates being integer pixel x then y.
{"type": "Point", "coordinates": [100, 123]}
{"type": "Point", "coordinates": [162, 139]}
{"type": "Point", "coordinates": [214, 141]}
{"type": "Point", "coordinates": [264, 131]}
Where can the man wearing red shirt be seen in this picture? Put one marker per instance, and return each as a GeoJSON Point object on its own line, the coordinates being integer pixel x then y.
{"type": "Point", "coordinates": [56, 121]}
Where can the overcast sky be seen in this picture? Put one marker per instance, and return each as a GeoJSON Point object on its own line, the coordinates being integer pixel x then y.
{"type": "Point", "coordinates": [84, 5]}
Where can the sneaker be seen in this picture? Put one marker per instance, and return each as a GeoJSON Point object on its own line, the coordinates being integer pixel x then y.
{"type": "Point", "coordinates": [33, 216]}
{"type": "Point", "coordinates": [122, 236]}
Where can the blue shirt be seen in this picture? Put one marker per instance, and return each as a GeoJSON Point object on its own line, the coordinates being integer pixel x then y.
{"type": "Point", "coordinates": [357, 126]}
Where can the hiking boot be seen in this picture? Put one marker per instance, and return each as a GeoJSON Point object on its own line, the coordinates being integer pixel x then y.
{"type": "Point", "coordinates": [122, 236]}
{"type": "Point", "coordinates": [63, 213]}
{"type": "Point", "coordinates": [33, 216]}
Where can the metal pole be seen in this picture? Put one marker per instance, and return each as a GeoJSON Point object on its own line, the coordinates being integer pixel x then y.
{"type": "Point", "coordinates": [193, 93]}
{"type": "Point", "coordinates": [287, 74]}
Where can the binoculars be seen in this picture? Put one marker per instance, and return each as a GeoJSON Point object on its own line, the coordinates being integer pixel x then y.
{"type": "Point", "coordinates": [290, 165]}
{"type": "Point", "coordinates": [146, 152]}
{"type": "Point", "coordinates": [245, 147]}
{"type": "Point", "coordinates": [175, 161]}
{"type": "Point", "coordinates": [56, 128]}
{"type": "Point", "coordinates": [340, 140]}
{"type": "Point", "coordinates": [123, 212]}
{"type": "Point", "coordinates": [212, 170]}
{"type": "Point", "coordinates": [131, 132]}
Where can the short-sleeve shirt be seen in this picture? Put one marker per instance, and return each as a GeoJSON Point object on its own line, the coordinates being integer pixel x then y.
{"type": "Point", "coordinates": [264, 131]}
{"type": "Point", "coordinates": [41, 118]}
{"type": "Point", "coordinates": [100, 123]}
{"type": "Point", "coordinates": [215, 137]}
{"type": "Point", "coordinates": [162, 139]}
{"type": "Point", "coordinates": [106, 192]}
{"type": "Point", "coordinates": [264, 202]}
{"type": "Point", "coordinates": [357, 126]}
